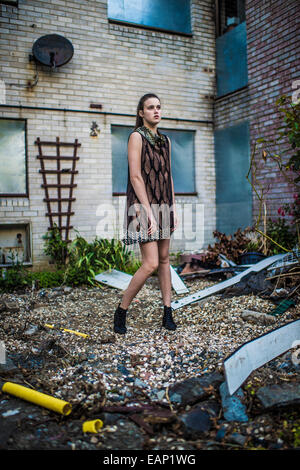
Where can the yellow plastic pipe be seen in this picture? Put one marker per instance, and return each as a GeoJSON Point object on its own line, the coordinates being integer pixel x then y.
{"type": "Point", "coordinates": [69, 331]}
{"type": "Point", "coordinates": [41, 399]}
{"type": "Point", "coordinates": [92, 426]}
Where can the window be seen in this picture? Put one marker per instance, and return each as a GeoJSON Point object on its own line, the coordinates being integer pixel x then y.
{"type": "Point", "coordinates": [231, 46]}
{"type": "Point", "coordinates": [229, 14]}
{"type": "Point", "coordinates": [15, 243]}
{"type": "Point", "coordinates": [13, 161]}
{"type": "Point", "coordinates": [233, 190]}
{"type": "Point", "coordinates": [183, 159]}
{"type": "Point", "coordinates": [13, 3]}
{"type": "Point", "coordinates": [168, 15]}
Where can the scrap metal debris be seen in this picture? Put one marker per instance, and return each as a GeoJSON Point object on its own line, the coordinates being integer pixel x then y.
{"type": "Point", "coordinates": [139, 386]}
{"type": "Point", "coordinates": [252, 355]}
{"type": "Point", "coordinates": [120, 280]}
{"type": "Point", "coordinates": [224, 284]}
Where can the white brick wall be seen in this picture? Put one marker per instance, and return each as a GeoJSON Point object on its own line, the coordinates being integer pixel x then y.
{"type": "Point", "coordinates": [113, 65]}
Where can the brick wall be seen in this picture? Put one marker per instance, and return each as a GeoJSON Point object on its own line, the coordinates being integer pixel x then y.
{"type": "Point", "coordinates": [113, 65]}
{"type": "Point", "coordinates": [273, 66]}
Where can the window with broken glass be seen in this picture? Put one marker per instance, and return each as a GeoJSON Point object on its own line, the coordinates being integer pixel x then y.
{"type": "Point", "coordinates": [229, 14]}
{"type": "Point", "coordinates": [231, 46]}
{"type": "Point", "coordinates": [13, 159]}
{"type": "Point", "coordinates": [182, 159]}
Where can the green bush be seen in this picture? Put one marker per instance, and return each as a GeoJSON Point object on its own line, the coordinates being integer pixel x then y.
{"type": "Point", "coordinates": [17, 277]}
{"type": "Point", "coordinates": [77, 263]}
{"type": "Point", "coordinates": [55, 247]}
{"type": "Point", "coordinates": [87, 259]}
{"type": "Point", "coordinates": [280, 231]}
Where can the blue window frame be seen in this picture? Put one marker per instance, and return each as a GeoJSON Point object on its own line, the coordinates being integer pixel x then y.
{"type": "Point", "coordinates": [182, 159]}
{"type": "Point", "coordinates": [168, 15]}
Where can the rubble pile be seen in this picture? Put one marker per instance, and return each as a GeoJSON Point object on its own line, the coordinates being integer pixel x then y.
{"type": "Point", "coordinates": [152, 388]}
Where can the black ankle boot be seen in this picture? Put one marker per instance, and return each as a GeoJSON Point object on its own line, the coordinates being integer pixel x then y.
{"type": "Point", "coordinates": [120, 320]}
{"type": "Point", "coordinates": [168, 321]}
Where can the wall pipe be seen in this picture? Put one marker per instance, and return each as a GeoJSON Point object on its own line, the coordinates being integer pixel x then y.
{"type": "Point", "coordinates": [106, 113]}
{"type": "Point", "coordinates": [41, 399]}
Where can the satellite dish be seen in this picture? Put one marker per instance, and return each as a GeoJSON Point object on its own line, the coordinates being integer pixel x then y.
{"type": "Point", "coordinates": [53, 50]}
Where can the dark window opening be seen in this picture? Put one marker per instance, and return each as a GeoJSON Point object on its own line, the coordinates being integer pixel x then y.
{"type": "Point", "coordinates": [229, 14]}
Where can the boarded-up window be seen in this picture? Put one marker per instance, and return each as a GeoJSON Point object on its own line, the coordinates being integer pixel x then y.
{"type": "Point", "coordinates": [233, 190]}
{"type": "Point", "coordinates": [182, 158]}
{"type": "Point", "coordinates": [169, 15]}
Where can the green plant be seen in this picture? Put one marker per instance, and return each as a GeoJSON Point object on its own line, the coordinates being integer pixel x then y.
{"type": "Point", "coordinates": [55, 247]}
{"type": "Point", "coordinates": [280, 234]}
{"type": "Point", "coordinates": [13, 277]}
{"type": "Point", "coordinates": [296, 433]}
{"type": "Point", "coordinates": [86, 259]}
{"type": "Point", "coordinates": [45, 279]}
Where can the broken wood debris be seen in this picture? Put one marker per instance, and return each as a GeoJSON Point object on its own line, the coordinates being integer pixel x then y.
{"type": "Point", "coordinates": [257, 317]}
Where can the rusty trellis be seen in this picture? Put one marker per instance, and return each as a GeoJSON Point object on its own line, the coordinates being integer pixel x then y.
{"type": "Point", "coordinates": [59, 185]}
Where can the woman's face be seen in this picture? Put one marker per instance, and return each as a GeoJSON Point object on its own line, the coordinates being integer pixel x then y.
{"type": "Point", "coordinates": [152, 111]}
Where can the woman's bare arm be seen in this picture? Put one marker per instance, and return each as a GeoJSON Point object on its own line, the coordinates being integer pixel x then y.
{"type": "Point", "coordinates": [134, 161]}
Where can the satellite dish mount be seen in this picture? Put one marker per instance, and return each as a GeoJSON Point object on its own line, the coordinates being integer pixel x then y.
{"type": "Point", "coordinates": [52, 50]}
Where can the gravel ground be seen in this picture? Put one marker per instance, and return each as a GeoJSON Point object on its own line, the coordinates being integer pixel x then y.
{"type": "Point", "coordinates": [108, 370]}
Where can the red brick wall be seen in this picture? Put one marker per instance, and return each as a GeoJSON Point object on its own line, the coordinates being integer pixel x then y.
{"type": "Point", "coordinates": [273, 65]}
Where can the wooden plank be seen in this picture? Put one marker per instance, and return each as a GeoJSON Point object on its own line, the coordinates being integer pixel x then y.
{"type": "Point", "coordinates": [54, 157]}
{"type": "Point", "coordinates": [44, 179]}
{"type": "Point", "coordinates": [62, 144]}
{"type": "Point", "coordinates": [71, 187]}
{"type": "Point", "coordinates": [57, 214]}
{"type": "Point", "coordinates": [63, 199]}
{"type": "Point", "coordinates": [61, 172]}
{"type": "Point", "coordinates": [60, 185]}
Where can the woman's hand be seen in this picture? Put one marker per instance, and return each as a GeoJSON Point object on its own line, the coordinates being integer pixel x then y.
{"type": "Point", "coordinates": [152, 225]}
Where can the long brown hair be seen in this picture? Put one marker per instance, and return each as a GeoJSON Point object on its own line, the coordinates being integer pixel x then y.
{"type": "Point", "coordinates": [139, 120]}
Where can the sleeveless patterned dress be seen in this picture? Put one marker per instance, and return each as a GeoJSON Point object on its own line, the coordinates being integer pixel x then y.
{"type": "Point", "coordinates": [156, 173]}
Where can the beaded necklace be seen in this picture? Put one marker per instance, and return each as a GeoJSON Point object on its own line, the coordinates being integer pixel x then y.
{"type": "Point", "coordinates": [152, 138]}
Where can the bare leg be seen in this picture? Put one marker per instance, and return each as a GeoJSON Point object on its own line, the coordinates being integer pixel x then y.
{"type": "Point", "coordinates": [164, 272]}
{"type": "Point", "coordinates": [149, 253]}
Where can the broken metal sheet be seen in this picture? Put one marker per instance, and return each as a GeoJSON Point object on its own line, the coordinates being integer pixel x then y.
{"type": "Point", "coordinates": [228, 282]}
{"type": "Point", "coordinates": [254, 354]}
{"type": "Point", "coordinates": [227, 261]}
{"type": "Point", "coordinates": [177, 283]}
{"type": "Point", "coordinates": [288, 259]}
{"type": "Point", "coordinates": [114, 278]}
{"type": "Point", "coordinates": [120, 280]}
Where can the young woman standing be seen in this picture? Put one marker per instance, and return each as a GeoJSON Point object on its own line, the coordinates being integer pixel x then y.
{"type": "Point", "coordinates": [150, 216]}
